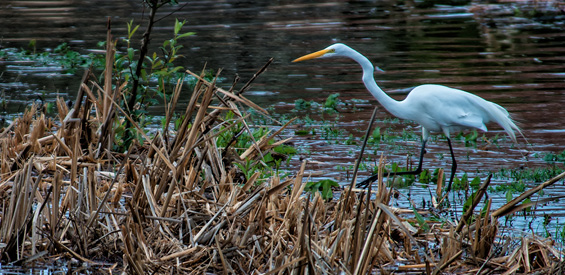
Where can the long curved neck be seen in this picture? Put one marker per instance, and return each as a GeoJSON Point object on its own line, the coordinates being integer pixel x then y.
{"type": "Point", "coordinates": [393, 106]}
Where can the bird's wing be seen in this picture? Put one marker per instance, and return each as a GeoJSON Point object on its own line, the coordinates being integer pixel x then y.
{"type": "Point", "coordinates": [446, 109]}
{"type": "Point", "coordinates": [469, 118]}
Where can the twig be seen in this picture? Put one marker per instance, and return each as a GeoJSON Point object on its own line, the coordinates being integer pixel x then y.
{"type": "Point", "coordinates": [357, 163]}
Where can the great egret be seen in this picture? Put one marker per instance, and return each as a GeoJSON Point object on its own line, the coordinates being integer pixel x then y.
{"type": "Point", "coordinates": [436, 108]}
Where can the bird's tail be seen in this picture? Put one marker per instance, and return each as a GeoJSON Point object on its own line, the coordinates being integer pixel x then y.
{"type": "Point", "coordinates": [502, 117]}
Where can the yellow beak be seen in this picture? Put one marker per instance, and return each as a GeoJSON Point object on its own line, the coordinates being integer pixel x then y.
{"type": "Point", "coordinates": [311, 56]}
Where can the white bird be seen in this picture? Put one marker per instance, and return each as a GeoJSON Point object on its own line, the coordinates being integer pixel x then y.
{"type": "Point", "coordinates": [437, 108]}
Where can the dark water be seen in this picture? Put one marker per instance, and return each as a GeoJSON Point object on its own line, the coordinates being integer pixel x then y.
{"type": "Point", "coordinates": [509, 53]}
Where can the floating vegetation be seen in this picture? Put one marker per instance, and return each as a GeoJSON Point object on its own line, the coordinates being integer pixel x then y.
{"type": "Point", "coordinates": [62, 59]}
{"type": "Point", "coordinates": [537, 174]}
{"type": "Point", "coordinates": [551, 157]}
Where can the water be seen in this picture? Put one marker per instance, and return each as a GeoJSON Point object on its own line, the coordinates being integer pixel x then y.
{"type": "Point", "coordinates": [507, 53]}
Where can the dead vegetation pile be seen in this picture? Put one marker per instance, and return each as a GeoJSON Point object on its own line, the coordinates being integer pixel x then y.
{"type": "Point", "coordinates": [177, 203]}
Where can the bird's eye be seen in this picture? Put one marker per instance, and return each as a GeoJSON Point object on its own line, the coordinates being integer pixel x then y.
{"type": "Point", "coordinates": [331, 51]}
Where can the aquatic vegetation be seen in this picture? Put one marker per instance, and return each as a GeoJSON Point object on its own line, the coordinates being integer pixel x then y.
{"type": "Point", "coordinates": [379, 134]}
{"type": "Point", "coordinates": [551, 157]}
{"type": "Point", "coordinates": [512, 187]}
{"type": "Point", "coordinates": [323, 186]}
{"type": "Point", "coordinates": [560, 233]}
{"type": "Point", "coordinates": [376, 136]}
{"type": "Point", "coordinates": [303, 132]}
{"type": "Point", "coordinates": [463, 183]}
{"type": "Point", "coordinates": [332, 105]}
{"type": "Point", "coordinates": [421, 221]}
{"type": "Point", "coordinates": [247, 167]}
{"type": "Point", "coordinates": [221, 214]}
{"type": "Point", "coordinates": [537, 174]}
{"type": "Point", "coordinates": [62, 57]}
{"type": "Point", "coordinates": [235, 139]}
{"type": "Point", "coordinates": [332, 102]}
{"type": "Point", "coordinates": [351, 140]}
{"type": "Point", "coordinates": [301, 104]}
{"type": "Point", "coordinates": [331, 131]}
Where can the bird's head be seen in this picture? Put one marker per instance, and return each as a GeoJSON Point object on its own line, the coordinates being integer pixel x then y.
{"type": "Point", "coordinates": [334, 50]}
{"type": "Point", "coordinates": [339, 50]}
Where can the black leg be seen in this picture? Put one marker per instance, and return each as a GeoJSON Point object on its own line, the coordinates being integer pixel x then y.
{"type": "Point", "coordinates": [422, 153]}
{"type": "Point", "coordinates": [418, 170]}
{"type": "Point", "coordinates": [453, 166]}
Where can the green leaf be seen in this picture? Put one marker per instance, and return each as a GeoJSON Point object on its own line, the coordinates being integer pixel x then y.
{"type": "Point", "coordinates": [529, 208]}
{"type": "Point", "coordinates": [421, 221]}
{"type": "Point", "coordinates": [508, 196]}
{"type": "Point", "coordinates": [332, 101]}
{"type": "Point", "coordinates": [178, 26]}
{"type": "Point", "coordinates": [472, 136]}
{"type": "Point", "coordinates": [476, 183]}
{"type": "Point", "coordinates": [301, 104]}
{"type": "Point", "coordinates": [425, 176]}
{"type": "Point", "coordinates": [131, 52]}
{"type": "Point", "coordinates": [302, 132]}
{"type": "Point", "coordinates": [144, 75]}
{"type": "Point", "coordinates": [130, 31]}
{"type": "Point", "coordinates": [325, 186]}
{"type": "Point", "coordinates": [175, 69]}
{"type": "Point", "coordinates": [469, 202]}
{"type": "Point", "coordinates": [186, 34]}
{"type": "Point", "coordinates": [377, 133]}
{"type": "Point", "coordinates": [285, 149]}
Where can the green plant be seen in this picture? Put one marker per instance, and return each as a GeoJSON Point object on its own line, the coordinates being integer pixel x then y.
{"type": "Point", "coordinates": [158, 71]}
{"type": "Point", "coordinates": [301, 104]}
{"type": "Point", "coordinates": [470, 138]}
{"type": "Point", "coordinates": [561, 233]}
{"type": "Point", "coordinates": [538, 174]}
{"type": "Point", "coordinates": [375, 137]}
{"type": "Point", "coordinates": [285, 149]}
{"type": "Point", "coordinates": [149, 78]}
{"type": "Point", "coordinates": [331, 131]}
{"type": "Point", "coordinates": [551, 157]}
{"type": "Point", "coordinates": [302, 132]}
{"type": "Point", "coordinates": [33, 45]}
{"type": "Point", "coordinates": [66, 60]}
{"type": "Point", "coordinates": [322, 186]}
{"type": "Point", "coordinates": [421, 221]}
{"type": "Point", "coordinates": [248, 168]}
{"type": "Point", "coordinates": [331, 102]}
{"type": "Point", "coordinates": [239, 138]}
{"type": "Point", "coordinates": [464, 184]}
{"type": "Point", "coordinates": [409, 135]}
{"type": "Point", "coordinates": [350, 140]}
{"type": "Point", "coordinates": [400, 181]}
{"type": "Point", "coordinates": [425, 176]}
